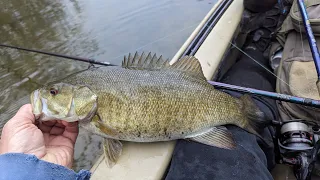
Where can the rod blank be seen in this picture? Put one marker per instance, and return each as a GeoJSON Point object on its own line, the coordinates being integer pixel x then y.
{"type": "Point", "coordinates": [92, 61]}
{"type": "Point", "coordinates": [272, 95]}
{"type": "Point", "coordinates": [310, 36]}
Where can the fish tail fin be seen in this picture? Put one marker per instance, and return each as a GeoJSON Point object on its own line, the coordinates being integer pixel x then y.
{"type": "Point", "coordinates": [256, 120]}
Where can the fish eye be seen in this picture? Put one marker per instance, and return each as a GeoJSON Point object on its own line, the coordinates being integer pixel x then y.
{"type": "Point", "coordinates": [53, 91]}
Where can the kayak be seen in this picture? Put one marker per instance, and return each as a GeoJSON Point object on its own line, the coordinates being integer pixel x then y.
{"type": "Point", "coordinates": [151, 160]}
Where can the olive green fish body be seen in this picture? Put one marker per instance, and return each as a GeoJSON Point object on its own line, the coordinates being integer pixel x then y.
{"type": "Point", "coordinates": [147, 100]}
{"type": "Point", "coordinates": [144, 106]}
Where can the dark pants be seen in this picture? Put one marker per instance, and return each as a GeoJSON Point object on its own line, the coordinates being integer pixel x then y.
{"type": "Point", "coordinates": [252, 159]}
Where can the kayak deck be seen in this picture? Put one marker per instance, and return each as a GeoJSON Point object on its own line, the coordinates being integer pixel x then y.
{"type": "Point", "coordinates": [150, 160]}
{"type": "Point", "coordinates": [147, 160]}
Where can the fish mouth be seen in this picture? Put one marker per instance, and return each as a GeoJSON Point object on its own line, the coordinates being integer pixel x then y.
{"type": "Point", "coordinates": [36, 104]}
{"type": "Point", "coordinates": [42, 112]}
{"type": "Point", "coordinates": [37, 116]}
{"type": "Point", "coordinates": [40, 108]}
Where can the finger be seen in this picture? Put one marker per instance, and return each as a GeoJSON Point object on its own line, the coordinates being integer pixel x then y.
{"type": "Point", "coordinates": [23, 116]}
{"type": "Point", "coordinates": [60, 124]}
{"type": "Point", "coordinates": [50, 123]}
{"type": "Point", "coordinates": [56, 130]}
{"type": "Point", "coordinates": [47, 126]}
{"type": "Point", "coordinates": [71, 130]}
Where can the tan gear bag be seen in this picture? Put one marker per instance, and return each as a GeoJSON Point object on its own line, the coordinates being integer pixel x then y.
{"type": "Point", "coordinates": [297, 69]}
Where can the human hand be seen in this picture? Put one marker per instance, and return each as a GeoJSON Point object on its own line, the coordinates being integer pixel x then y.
{"type": "Point", "coordinates": [51, 141]}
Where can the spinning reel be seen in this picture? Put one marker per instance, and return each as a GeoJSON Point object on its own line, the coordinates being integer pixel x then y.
{"type": "Point", "coordinates": [298, 145]}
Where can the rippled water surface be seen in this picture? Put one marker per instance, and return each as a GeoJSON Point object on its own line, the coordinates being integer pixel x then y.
{"type": "Point", "coordinates": [103, 30]}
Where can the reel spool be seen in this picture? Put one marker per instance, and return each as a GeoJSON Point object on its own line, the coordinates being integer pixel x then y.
{"type": "Point", "coordinates": [296, 136]}
{"type": "Point", "coordinates": [298, 145]}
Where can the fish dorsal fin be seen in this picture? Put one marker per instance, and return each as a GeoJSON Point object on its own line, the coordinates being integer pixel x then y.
{"type": "Point", "coordinates": [143, 62]}
{"type": "Point", "coordinates": [190, 65]}
{"type": "Point", "coordinates": [187, 64]}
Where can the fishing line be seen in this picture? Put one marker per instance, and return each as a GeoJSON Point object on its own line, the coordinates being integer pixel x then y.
{"type": "Point", "coordinates": [259, 64]}
{"type": "Point", "coordinates": [152, 42]}
{"type": "Point", "coordinates": [19, 75]}
{"type": "Point", "coordinates": [92, 61]}
{"type": "Point", "coordinates": [157, 40]}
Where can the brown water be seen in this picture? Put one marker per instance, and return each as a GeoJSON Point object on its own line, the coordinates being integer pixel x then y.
{"type": "Point", "coordinates": [103, 30]}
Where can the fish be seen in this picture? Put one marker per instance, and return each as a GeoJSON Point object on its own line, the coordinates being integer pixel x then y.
{"type": "Point", "coordinates": [147, 99]}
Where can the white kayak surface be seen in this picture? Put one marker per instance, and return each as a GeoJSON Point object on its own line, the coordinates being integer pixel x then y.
{"type": "Point", "coordinates": [138, 161]}
{"type": "Point", "coordinates": [149, 161]}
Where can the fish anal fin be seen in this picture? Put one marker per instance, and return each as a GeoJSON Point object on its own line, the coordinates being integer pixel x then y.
{"type": "Point", "coordinates": [217, 137]}
{"type": "Point", "coordinates": [112, 149]}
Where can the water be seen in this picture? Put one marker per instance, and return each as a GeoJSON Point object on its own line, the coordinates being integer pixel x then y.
{"type": "Point", "coordinates": [103, 30]}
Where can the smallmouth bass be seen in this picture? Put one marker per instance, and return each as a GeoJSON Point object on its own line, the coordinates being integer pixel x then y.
{"type": "Point", "coordinates": [147, 100]}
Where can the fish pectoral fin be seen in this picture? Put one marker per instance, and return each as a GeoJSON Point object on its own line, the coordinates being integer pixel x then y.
{"type": "Point", "coordinates": [104, 128]}
{"type": "Point", "coordinates": [112, 150]}
{"type": "Point", "coordinates": [217, 137]}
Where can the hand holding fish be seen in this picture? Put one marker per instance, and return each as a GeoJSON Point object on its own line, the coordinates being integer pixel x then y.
{"type": "Point", "coordinates": [52, 141]}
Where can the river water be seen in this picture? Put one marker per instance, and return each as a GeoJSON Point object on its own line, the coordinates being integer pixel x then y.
{"type": "Point", "coordinates": [98, 29]}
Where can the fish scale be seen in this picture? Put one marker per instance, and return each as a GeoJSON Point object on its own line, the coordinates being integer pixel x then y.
{"type": "Point", "coordinates": [148, 100]}
{"type": "Point", "coordinates": [151, 100]}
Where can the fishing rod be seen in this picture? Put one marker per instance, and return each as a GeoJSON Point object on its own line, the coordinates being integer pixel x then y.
{"type": "Point", "coordinates": [311, 38]}
{"type": "Point", "coordinates": [272, 95]}
{"type": "Point", "coordinates": [304, 160]}
{"type": "Point", "coordinates": [92, 61]}
{"type": "Point", "coordinates": [277, 96]}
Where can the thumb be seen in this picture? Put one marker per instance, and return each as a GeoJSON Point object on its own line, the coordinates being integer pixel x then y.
{"type": "Point", "coordinates": [23, 116]}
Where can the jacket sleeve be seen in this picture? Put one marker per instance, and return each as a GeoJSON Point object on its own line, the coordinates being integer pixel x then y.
{"type": "Point", "coordinates": [20, 166]}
